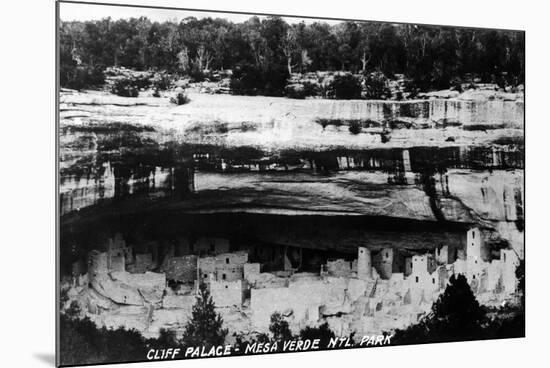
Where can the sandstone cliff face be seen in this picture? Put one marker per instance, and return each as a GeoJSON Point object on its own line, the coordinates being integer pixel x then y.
{"type": "Point", "coordinates": [113, 147]}
{"type": "Point", "coordinates": [456, 159]}
{"type": "Point", "coordinates": [279, 123]}
{"type": "Point", "coordinates": [494, 199]}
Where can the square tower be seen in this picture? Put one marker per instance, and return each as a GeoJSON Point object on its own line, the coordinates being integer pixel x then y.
{"type": "Point", "coordinates": [421, 264]}
{"type": "Point", "coordinates": [510, 262]}
{"type": "Point", "coordinates": [364, 264]}
{"type": "Point", "coordinates": [474, 242]}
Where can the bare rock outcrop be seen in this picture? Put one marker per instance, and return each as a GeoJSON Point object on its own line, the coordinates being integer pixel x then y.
{"type": "Point", "coordinates": [130, 289]}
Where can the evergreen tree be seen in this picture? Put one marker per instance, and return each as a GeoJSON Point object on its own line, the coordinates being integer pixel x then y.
{"type": "Point", "coordinates": [457, 312]}
{"type": "Point", "coordinates": [456, 315]}
{"type": "Point", "coordinates": [279, 328]}
{"type": "Point", "coordinates": [166, 339]}
{"type": "Point", "coordinates": [205, 328]}
{"type": "Point", "coordinates": [514, 325]}
{"type": "Point", "coordinates": [81, 342]}
{"type": "Point", "coordinates": [520, 276]}
{"type": "Point", "coordinates": [323, 333]}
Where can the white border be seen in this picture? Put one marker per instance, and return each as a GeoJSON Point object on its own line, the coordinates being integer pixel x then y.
{"type": "Point", "coordinates": [27, 185]}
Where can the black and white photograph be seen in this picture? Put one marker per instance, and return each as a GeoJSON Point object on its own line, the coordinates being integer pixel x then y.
{"type": "Point", "coordinates": [233, 184]}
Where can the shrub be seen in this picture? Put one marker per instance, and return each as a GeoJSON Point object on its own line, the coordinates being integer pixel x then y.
{"type": "Point", "coordinates": [125, 87]}
{"type": "Point", "coordinates": [295, 91]}
{"type": "Point", "coordinates": [162, 82]}
{"type": "Point", "coordinates": [275, 78]}
{"type": "Point", "coordinates": [355, 127]}
{"type": "Point", "coordinates": [301, 90]}
{"type": "Point", "coordinates": [73, 311]}
{"type": "Point", "coordinates": [311, 89]}
{"type": "Point", "coordinates": [222, 128]}
{"type": "Point", "coordinates": [197, 75]}
{"type": "Point", "coordinates": [456, 85]}
{"type": "Point", "coordinates": [344, 87]}
{"type": "Point", "coordinates": [246, 80]}
{"type": "Point", "coordinates": [128, 83]}
{"type": "Point", "coordinates": [80, 77]}
{"type": "Point", "coordinates": [326, 122]}
{"type": "Point", "coordinates": [180, 99]}
{"type": "Point", "coordinates": [398, 124]}
{"type": "Point", "coordinates": [413, 88]}
{"type": "Point", "coordinates": [250, 80]}
{"type": "Point", "coordinates": [141, 81]}
{"type": "Point", "coordinates": [376, 86]}
{"type": "Point", "coordinates": [323, 333]}
{"type": "Point", "coordinates": [248, 127]}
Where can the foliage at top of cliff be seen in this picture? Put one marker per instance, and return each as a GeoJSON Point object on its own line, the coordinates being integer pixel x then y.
{"type": "Point", "coordinates": [432, 57]}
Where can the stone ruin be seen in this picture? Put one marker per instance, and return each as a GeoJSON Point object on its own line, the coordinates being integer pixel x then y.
{"type": "Point", "coordinates": [378, 291]}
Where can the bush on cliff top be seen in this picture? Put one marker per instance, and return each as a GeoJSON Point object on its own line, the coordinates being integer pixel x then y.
{"type": "Point", "coordinates": [125, 88]}
{"type": "Point", "coordinates": [251, 80]}
{"type": "Point", "coordinates": [180, 99]}
{"type": "Point", "coordinates": [80, 77]}
{"type": "Point", "coordinates": [377, 86]}
{"type": "Point", "coordinates": [344, 87]}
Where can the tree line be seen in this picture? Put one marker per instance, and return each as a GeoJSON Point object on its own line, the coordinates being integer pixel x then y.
{"type": "Point", "coordinates": [432, 56]}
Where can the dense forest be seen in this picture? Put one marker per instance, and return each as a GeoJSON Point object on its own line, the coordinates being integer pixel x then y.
{"type": "Point", "coordinates": [432, 57]}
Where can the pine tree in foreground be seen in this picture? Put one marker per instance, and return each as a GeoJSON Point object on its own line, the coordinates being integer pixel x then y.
{"type": "Point", "coordinates": [279, 328]}
{"type": "Point", "coordinates": [456, 315]}
{"type": "Point", "coordinates": [205, 328]}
